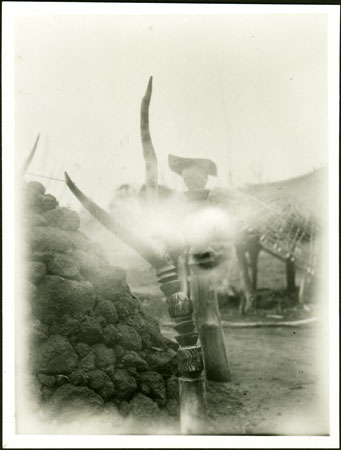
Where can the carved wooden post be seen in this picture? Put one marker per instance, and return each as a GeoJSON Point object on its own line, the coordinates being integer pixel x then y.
{"type": "Point", "coordinates": [203, 292]}
{"type": "Point", "coordinates": [207, 314]}
{"type": "Point", "coordinates": [192, 389]}
{"type": "Point", "coordinates": [192, 392]}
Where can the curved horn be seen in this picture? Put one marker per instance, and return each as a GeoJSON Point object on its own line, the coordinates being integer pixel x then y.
{"type": "Point", "coordinates": [30, 157]}
{"type": "Point", "coordinates": [148, 148]}
{"type": "Point", "coordinates": [141, 246]}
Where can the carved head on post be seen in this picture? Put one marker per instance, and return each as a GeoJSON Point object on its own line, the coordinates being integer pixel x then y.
{"type": "Point", "coordinates": [194, 171]}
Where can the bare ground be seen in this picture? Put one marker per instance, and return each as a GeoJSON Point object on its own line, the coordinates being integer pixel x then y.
{"type": "Point", "coordinates": [276, 386]}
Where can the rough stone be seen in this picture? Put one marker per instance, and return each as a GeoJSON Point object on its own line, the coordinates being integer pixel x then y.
{"type": "Point", "coordinates": [172, 387]}
{"type": "Point", "coordinates": [97, 378]}
{"type": "Point", "coordinates": [143, 408]}
{"type": "Point", "coordinates": [173, 407]}
{"type": "Point", "coordinates": [152, 328]}
{"type": "Point", "coordinates": [132, 371]}
{"type": "Point", "coordinates": [57, 296]}
{"type": "Point", "coordinates": [110, 284]}
{"type": "Point", "coordinates": [61, 379]}
{"type": "Point", "coordinates": [107, 310]}
{"type": "Point", "coordinates": [47, 380]}
{"type": "Point", "coordinates": [128, 337]}
{"type": "Point", "coordinates": [82, 349]}
{"type": "Point", "coordinates": [132, 359]}
{"type": "Point", "coordinates": [66, 326]}
{"type": "Point", "coordinates": [64, 266]}
{"type": "Point", "coordinates": [27, 290]}
{"type": "Point", "coordinates": [153, 385]}
{"type": "Point", "coordinates": [96, 249]}
{"type": "Point", "coordinates": [46, 393]}
{"type": "Point", "coordinates": [79, 377]}
{"type": "Point", "coordinates": [126, 306]}
{"type": "Point", "coordinates": [34, 187]}
{"type": "Point", "coordinates": [101, 321]}
{"type": "Point", "coordinates": [146, 341]}
{"type": "Point", "coordinates": [32, 386]}
{"type": "Point", "coordinates": [119, 352]}
{"type": "Point", "coordinates": [124, 408]}
{"type": "Point", "coordinates": [110, 371]}
{"type": "Point", "coordinates": [90, 331]}
{"type": "Point", "coordinates": [110, 335]}
{"type": "Point", "coordinates": [79, 240]}
{"type": "Point", "coordinates": [38, 332]}
{"type": "Point", "coordinates": [135, 320]}
{"type": "Point", "coordinates": [35, 199]}
{"type": "Point", "coordinates": [93, 340]}
{"type": "Point", "coordinates": [88, 362]}
{"type": "Point", "coordinates": [69, 398]}
{"type": "Point", "coordinates": [55, 356]}
{"type": "Point", "coordinates": [44, 257]}
{"type": "Point", "coordinates": [111, 408]}
{"type": "Point", "coordinates": [48, 202]}
{"type": "Point", "coordinates": [105, 357]}
{"type": "Point", "coordinates": [164, 362]}
{"type": "Point", "coordinates": [125, 384]}
{"type": "Point", "coordinates": [107, 391]}
{"type": "Point", "coordinates": [35, 220]}
{"type": "Point", "coordinates": [90, 264]}
{"type": "Point", "coordinates": [39, 203]}
{"type": "Point", "coordinates": [169, 343]}
{"type": "Point", "coordinates": [50, 239]}
{"type": "Point", "coordinates": [36, 271]}
{"type": "Point", "coordinates": [63, 218]}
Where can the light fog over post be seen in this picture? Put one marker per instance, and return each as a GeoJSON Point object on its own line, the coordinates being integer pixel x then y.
{"type": "Point", "coordinates": [248, 91]}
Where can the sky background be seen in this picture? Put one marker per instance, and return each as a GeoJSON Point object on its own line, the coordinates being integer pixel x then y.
{"type": "Point", "coordinates": [248, 91]}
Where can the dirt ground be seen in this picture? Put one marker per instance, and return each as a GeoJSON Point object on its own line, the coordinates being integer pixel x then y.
{"type": "Point", "coordinates": [276, 386]}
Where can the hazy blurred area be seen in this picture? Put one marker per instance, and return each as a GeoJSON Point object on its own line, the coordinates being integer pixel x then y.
{"type": "Point", "coordinates": [248, 91]}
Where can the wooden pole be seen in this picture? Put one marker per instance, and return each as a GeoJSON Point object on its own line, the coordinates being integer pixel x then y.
{"type": "Point", "coordinates": [290, 274]}
{"type": "Point", "coordinates": [192, 393]}
{"type": "Point", "coordinates": [207, 314]}
{"type": "Point", "coordinates": [192, 387]}
{"type": "Point", "coordinates": [306, 290]}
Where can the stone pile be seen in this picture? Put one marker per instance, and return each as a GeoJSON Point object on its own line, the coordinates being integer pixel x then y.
{"type": "Point", "coordinates": [91, 343]}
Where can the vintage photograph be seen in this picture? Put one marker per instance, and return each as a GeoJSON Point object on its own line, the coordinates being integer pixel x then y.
{"type": "Point", "coordinates": [172, 258]}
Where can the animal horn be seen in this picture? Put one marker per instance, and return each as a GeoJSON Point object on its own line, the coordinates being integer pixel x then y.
{"type": "Point", "coordinates": [151, 172]}
{"type": "Point", "coordinates": [142, 246]}
{"type": "Point", "coordinates": [30, 156]}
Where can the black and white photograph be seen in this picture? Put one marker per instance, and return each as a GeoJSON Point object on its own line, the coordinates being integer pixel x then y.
{"type": "Point", "coordinates": [170, 225]}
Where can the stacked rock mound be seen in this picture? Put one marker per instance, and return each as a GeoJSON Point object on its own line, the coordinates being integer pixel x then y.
{"type": "Point", "coordinates": [91, 343]}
